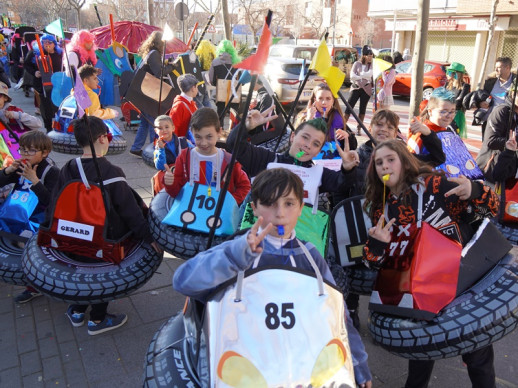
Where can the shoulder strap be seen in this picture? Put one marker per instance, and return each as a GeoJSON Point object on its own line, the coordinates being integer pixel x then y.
{"type": "Point", "coordinates": [47, 169]}
{"type": "Point", "coordinates": [82, 173]}
{"type": "Point", "coordinates": [187, 106]}
{"type": "Point", "coordinates": [85, 180]}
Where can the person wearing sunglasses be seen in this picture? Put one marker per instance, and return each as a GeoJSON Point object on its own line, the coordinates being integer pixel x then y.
{"type": "Point", "coordinates": [33, 177]}
{"type": "Point", "coordinates": [126, 213]}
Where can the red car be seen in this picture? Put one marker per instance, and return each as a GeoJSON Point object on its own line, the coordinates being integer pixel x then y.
{"type": "Point", "coordinates": [434, 77]}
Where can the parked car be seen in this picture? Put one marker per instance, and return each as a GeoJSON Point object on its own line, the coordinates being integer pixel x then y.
{"type": "Point", "coordinates": [283, 76]}
{"type": "Point", "coordinates": [292, 51]}
{"type": "Point", "coordinates": [434, 77]}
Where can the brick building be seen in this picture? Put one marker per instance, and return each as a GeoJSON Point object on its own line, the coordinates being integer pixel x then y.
{"type": "Point", "coordinates": [458, 30]}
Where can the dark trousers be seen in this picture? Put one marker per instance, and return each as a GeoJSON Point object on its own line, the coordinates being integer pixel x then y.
{"type": "Point", "coordinates": [97, 313]}
{"type": "Point", "coordinates": [47, 110]}
{"type": "Point", "coordinates": [358, 94]}
{"type": "Point", "coordinates": [481, 370]}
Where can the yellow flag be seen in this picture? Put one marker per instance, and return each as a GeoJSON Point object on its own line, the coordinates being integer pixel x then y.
{"type": "Point", "coordinates": [379, 66]}
{"type": "Point", "coordinates": [322, 64]}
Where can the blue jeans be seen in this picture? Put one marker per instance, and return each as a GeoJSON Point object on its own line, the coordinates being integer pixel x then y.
{"type": "Point", "coordinates": [145, 127]}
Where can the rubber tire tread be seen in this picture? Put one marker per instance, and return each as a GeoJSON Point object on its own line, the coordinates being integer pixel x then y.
{"type": "Point", "coordinates": [66, 144]}
{"type": "Point", "coordinates": [482, 315]}
{"type": "Point", "coordinates": [11, 271]}
{"type": "Point", "coordinates": [510, 233]}
{"type": "Point", "coordinates": [361, 279]}
{"type": "Point", "coordinates": [160, 360]}
{"type": "Point", "coordinates": [74, 282]}
{"type": "Point", "coordinates": [147, 155]}
{"type": "Point", "coordinates": [183, 244]}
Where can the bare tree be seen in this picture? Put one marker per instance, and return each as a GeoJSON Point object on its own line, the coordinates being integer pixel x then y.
{"type": "Point", "coordinates": [492, 23]}
{"type": "Point", "coordinates": [134, 10]}
{"type": "Point", "coordinates": [39, 13]}
{"type": "Point", "coordinates": [253, 15]}
{"type": "Point", "coordinates": [367, 31]}
{"type": "Point", "coordinates": [77, 5]}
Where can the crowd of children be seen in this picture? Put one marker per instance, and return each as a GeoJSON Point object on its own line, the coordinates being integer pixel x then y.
{"type": "Point", "coordinates": [389, 176]}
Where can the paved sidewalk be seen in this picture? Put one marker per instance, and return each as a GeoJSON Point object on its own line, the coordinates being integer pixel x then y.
{"type": "Point", "coordinates": [40, 348]}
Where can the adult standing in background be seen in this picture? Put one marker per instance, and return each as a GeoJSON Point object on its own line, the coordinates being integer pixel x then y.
{"type": "Point", "coordinates": [361, 88]}
{"type": "Point", "coordinates": [151, 51]}
{"type": "Point", "coordinates": [221, 69]}
{"type": "Point", "coordinates": [497, 85]}
{"type": "Point", "coordinates": [384, 97]}
{"type": "Point", "coordinates": [51, 50]}
{"type": "Point", "coordinates": [406, 55]}
{"type": "Point", "coordinates": [81, 51]}
{"type": "Point", "coordinates": [455, 82]}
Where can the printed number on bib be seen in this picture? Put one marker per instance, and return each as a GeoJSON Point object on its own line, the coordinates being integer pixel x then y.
{"type": "Point", "coordinates": [273, 321]}
{"type": "Point", "coordinates": [23, 197]}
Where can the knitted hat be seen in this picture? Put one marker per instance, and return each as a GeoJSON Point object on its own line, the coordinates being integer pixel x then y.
{"type": "Point", "coordinates": [5, 91]}
{"type": "Point", "coordinates": [366, 50]}
{"type": "Point", "coordinates": [186, 82]}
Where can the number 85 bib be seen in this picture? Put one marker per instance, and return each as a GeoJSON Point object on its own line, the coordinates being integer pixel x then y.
{"type": "Point", "coordinates": [283, 332]}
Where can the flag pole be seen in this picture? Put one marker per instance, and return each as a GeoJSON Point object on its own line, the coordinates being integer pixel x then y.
{"type": "Point", "coordinates": [292, 109]}
{"type": "Point", "coordinates": [164, 39]}
{"type": "Point", "coordinates": [228, 175]}
{"type": "Point", "coordinates": [360, 123]}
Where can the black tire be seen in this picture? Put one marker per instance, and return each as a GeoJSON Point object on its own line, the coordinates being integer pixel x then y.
{"type": "Point", "coordinates": [66, 144]}
{"type": "Point", "coordinates": [511, 234]}
{"type": "Point", "coordinates": [283, 145]}
{"type": "Point", "coordinates": [181, 243]}
{"type": "Point", "coordinates": [161, 368]}
{"type": "Point", "coordinates": [11, 271]}
{"type": "Point", "coordinates": [66, 279]}
{"type": "Point", "coordinates": [147, 155]}
{"type": "Point", "coordinates": [361, 279]}
{"type": "Point", "coordinates": [480, 316]}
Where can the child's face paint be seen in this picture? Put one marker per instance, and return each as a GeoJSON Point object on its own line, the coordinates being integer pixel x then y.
{"type": "Point", "coordinates": [387, 162]}
{"type": "Point", "coordinates": [165, 130]}
{"type": "Point", "coordinates": [206, 139]}
{"type": "Point", "coordinates": [283, 214]}
{"type": "Point", "coordinates": [309, 141]}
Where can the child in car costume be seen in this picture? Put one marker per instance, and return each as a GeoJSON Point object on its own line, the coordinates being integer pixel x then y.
{"type": "Point", "coordinates": [34, 178]}
{"type": "Point", "coordinates": [416, 197]}
{"type": "Point", "coordinates": [277, 197]}
{"type": "Point", "coordinates": [124, 216]}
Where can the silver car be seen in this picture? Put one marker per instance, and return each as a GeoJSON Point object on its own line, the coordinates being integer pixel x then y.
{"type": "Point", "coordinates": [283, 76]}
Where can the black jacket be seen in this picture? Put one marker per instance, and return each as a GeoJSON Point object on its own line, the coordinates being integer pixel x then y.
{"type": "Point", "coordinates": [254, 159]}
{"type": "Point", "coordinates": [127, 205]}
{"type": "Point", "coordinates": [42, 190]}
{"type": "Point", "coordinates": [497, 133]}
{"type": "Point", "coordinates": [31, 67]}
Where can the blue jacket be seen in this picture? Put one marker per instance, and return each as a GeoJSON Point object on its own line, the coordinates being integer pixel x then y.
{"type": "Point", "coordinates": [168, 154]}
{"type": "Point", "coordinates": [198, 277]}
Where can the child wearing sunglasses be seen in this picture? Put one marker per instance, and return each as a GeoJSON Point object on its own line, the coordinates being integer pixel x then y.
{"type": "Point", "coordinates": [32, 175]}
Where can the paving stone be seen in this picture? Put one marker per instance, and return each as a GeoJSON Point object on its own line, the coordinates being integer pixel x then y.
{"type": "Point", "coordinates": [161, 278]}
{"type": "Point", "coordinates": [41, 310]}
{"type": "Point", "coordinates": [33, 381]}
{"type": "Point", "coordinates": [24, 323]}
{"type": "Point", "coordinates": [30, 363]}
{"type": "Point", "coordinates": [26, 341]}
{"type": "Point", "coordinates": [64, 331]}
{"type": "Point", "coordinates": [69, 352]}
{"type": "Point", "coordinates": [159, 305]}
{"type": "Point", "coordinates": [52, 368]}
{"type": "Point", "coordinates": [75, 375]}
{"type": "Point", "coordinates": [48, 347]}
{"type": "Point", "coordinates": [10, 377]}
{"type": "Point", "coordinates": [45, 329]}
